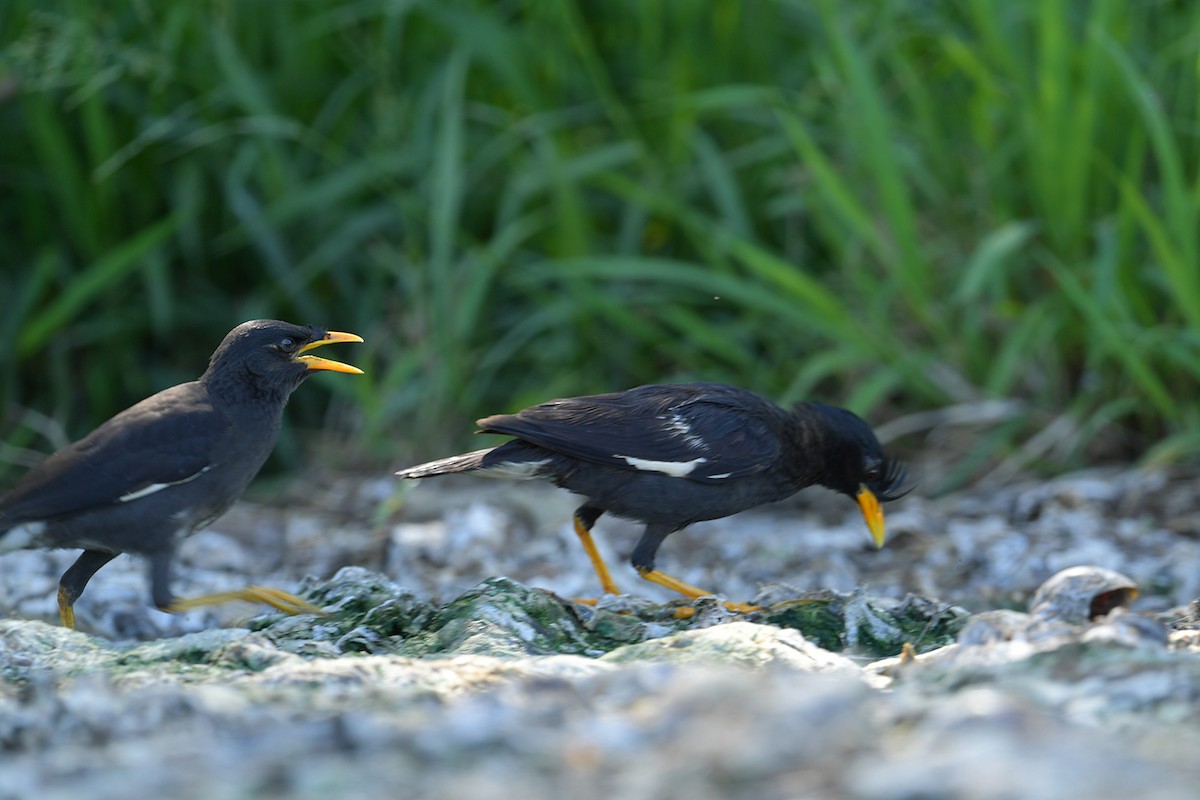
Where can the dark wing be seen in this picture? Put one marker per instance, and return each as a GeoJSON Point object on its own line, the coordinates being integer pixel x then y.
{"type": "Point", "coordinates": [163, 440]}
{"type": "Point", "coordinates": [703, 432]}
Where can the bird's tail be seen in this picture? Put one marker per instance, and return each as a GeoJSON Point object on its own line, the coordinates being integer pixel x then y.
{"type": "Point", "coordinates": [467, 462]}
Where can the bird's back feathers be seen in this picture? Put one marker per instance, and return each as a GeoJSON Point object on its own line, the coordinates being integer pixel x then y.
{"type": "Point", "coordinates": [701, 431]}
{"type": "Point", "coordinates": [165, 439]}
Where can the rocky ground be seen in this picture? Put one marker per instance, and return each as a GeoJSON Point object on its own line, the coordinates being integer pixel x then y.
{"type": "Point", "coordinates": [449, 664]}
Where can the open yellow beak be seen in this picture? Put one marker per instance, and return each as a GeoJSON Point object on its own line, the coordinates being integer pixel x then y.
{"type": "Point", "coordinates": [315, 362]}
{"type": "Point", "coordinates": [872, 512]}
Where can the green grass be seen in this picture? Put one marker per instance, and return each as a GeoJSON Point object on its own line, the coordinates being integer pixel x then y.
{"type": "Point", "coordinates": [895, 205]}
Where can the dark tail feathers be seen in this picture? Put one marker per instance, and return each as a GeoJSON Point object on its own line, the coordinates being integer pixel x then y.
{"type": "Point", "coordinates": [467, 462]}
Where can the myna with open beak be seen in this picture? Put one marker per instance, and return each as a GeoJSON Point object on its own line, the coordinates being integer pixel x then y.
{"type": "Point", "coordinates": [168, 466]}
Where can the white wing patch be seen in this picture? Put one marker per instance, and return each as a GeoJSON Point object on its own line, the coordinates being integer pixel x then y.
{"type": "Point", "coordinates": [145, 490]}
{"type": "Point", "coordinates": [676, 469]}
{"type": "Point", "coordinates": [158, 487]}
{"type": "Point", "coordinates": [678, 426]}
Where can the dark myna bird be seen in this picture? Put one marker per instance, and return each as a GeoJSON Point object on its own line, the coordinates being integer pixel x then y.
{"type": "Point", "coordinates": [670, 455]}
{"type": "Point", "coordinates": [168, 466]}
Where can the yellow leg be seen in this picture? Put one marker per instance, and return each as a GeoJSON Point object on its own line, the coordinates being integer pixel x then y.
{"type": "Point", "coordinates": [585, 536]}
{"type": "Point", "coordinates": [687, 590]}
{"type": "Point", "coordinates": [276, 598]}
{"type": "Point", "coordinates": [66, 613]}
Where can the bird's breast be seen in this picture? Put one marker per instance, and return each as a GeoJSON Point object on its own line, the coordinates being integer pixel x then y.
{"type": "Point", "coordinates": [653, 497]}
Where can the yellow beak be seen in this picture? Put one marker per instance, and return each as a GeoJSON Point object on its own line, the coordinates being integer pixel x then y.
{"type": "Point", "coordinates": [315, 362]}
{"type": "Point", "coordinates": [872, 513]}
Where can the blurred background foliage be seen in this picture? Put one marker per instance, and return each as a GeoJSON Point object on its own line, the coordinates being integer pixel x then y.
{"type": "Point", "coordinates": [975, 221]}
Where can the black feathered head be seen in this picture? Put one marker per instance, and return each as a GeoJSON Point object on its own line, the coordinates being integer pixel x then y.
{"type": "Point", "coordinates": [856, 465]}
{"type": "Point", "coordinates": [269, 357]}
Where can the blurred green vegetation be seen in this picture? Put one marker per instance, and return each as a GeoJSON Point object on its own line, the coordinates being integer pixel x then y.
{"type": "Point", "coordinates": [896, 205]}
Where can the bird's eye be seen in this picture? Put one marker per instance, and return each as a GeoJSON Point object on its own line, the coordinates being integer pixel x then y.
{"type": "Point", "coordinates": [873, 473]}
{"type": "Point", "coordinates": [287, 344]}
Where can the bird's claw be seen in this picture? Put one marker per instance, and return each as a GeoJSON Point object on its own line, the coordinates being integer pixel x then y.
{"type": "Point", "coordinates": [687, 612]}
{"type": "Point", "coordinates": [278, 599]}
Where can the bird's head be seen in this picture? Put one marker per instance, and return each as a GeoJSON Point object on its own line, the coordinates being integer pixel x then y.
{"type": "Point", "coordinates": [271, 357]}
{"type": "Point", "coordinates": [856, 466]}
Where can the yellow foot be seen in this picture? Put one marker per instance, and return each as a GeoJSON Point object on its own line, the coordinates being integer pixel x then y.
{"type": "Point", "coordinates": [66, 612]}
{"type": "Point", "coordinates": [687, 590]}
{"type": "Point", "coordinates": [683, 612]}
{"type": "Point", "coordinates": [687, 612]}
{"type": "Point", "coordinates": [276, 598]}
{"type": "Point", "coordinates": [742, 608]}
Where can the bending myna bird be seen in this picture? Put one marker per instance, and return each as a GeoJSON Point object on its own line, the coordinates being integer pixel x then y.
{"type": "Point", "coordinates": [168, 466]}
{"type": "Point", "coordinates": [670, 455]}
